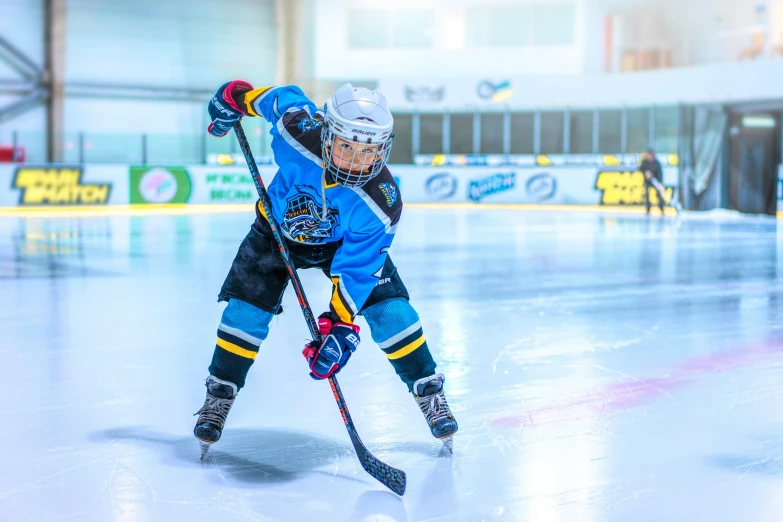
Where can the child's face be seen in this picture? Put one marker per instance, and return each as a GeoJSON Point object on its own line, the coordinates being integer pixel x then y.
{"type": "Point", "coordinates": [353, 157]}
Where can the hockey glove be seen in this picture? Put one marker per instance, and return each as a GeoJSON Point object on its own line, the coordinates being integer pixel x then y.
{"type": "Point", "coordinates": [340, 340]}
{"type": "Point", "coordinates": [225, 107]}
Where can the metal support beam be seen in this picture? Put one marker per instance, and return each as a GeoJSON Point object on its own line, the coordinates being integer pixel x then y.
{"type": "Point", "coordinates": [567, 131]}
{"type": "Point", "coordinates": [37, 85]}
{"type": "Point", "coordinates": [652, 129]}
{"type": "Point", "coordinates": [285, 21]}
{"type": "Point", "coordinates": [446, 134]}
{"type": "Point", "coordinates": [624, 131]}
{"type": "Point", "coordinates": [415, 135]}
{"type": "Point", "coordinates": [507, 131]}
{"type": "Point", "coordinates": [476, 132]}
{"type": "Point", "coordinates": [23, 104]}
{"type": "Point", "coordinates": [537, 133]}
{"type": "Point", "coordinates": [112, 91]}
{"type": "Point", "coordinates": [13, 86]}
{"type": "Point", "coordinates": [295, 41]}
{"type": "Point", "coordinates": [134, 92]}
{"type": "Point", "coordinates": [18, 61]}
{"type": "Point", "coordinates": [54, 65]}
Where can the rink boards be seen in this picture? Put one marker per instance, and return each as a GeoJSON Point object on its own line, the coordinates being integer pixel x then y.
{"type": "Point", "coordinates": [59, 185]}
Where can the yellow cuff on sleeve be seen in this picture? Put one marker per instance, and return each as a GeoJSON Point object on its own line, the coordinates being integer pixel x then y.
{"type": "Point", "coordinates": [253, 97]}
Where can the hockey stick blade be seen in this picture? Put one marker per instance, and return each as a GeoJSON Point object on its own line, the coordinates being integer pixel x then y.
{"type": "Point", "coordinates": [392, 478]}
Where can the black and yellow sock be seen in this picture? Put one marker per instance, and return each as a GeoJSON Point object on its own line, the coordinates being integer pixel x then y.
{"type": "Point", "coordinates": [395, 326]}
{"type": "Point", "coordinates": [242, 329]}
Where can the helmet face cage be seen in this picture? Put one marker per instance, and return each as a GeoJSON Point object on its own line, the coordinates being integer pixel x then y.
{"type": "Point", "coordinates": [358, 165]}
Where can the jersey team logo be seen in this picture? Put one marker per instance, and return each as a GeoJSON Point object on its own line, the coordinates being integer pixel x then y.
{"type": "Point", "coordinates": [308, 124]}
{"type": "Point", "coordinates": [302, 217]}
{"type": "Point", "coordinates": [389, 192]}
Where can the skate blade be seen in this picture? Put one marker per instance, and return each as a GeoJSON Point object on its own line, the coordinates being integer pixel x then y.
{"type": "Point", "coordinates": [448, 443]}
{"type": "Point", "coordinates": [204, 448]}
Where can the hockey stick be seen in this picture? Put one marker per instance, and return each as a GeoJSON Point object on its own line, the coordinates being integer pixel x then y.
{"type": "Point", "coordinates": [392, 478]}
{"type": "Point", "coordinates": [663, 195]}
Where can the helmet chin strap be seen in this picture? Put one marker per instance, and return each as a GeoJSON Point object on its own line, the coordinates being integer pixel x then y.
{"type": "Point", "coordinates": [323, 191]}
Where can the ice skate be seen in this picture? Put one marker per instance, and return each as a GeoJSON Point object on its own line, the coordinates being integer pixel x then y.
{"type": "Point", "coordinates": [212, 415]}
{"type": "Point", "coordinates": [429, 395]}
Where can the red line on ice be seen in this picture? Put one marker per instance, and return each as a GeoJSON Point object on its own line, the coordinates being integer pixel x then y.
{"type": "Point", "coordinates": [632, 392]}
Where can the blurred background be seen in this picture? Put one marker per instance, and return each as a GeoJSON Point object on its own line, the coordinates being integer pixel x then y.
{"type": "Point", "coordinates": [471, 82]}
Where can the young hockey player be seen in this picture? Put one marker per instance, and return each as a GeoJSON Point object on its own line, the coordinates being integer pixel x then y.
{"type": "Point", "coordinates": [337, 206]}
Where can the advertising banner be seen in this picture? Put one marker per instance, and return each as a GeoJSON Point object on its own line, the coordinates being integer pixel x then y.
{"type": "Point", "coordinates": [199, 184]}
{"type": "Point", "coordinates": [740, 81]}
{"type": "Point", "coordinates": [552, 186]}
{"type": "Point", "coordinates": [540, 160]}
{"type": "Point", "coordinates": [437, 95]}
{"type": "Point", "coordinates": [239, 159]}
{"type": "Point", "coordinates": [159, 185]}
{"type": "Point", "coordinates": [227, 184]}
{"type": "Point", "coordinates": [62, 185]}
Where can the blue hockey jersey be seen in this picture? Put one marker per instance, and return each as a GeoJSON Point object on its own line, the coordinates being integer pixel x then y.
{"type": "Point", "coordinates": [311, 208]}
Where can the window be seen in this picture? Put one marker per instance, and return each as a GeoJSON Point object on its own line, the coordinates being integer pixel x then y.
{"type": "Point", "coordinates": [551, 133]}
{"type": "Point", "coordinates": [462, 133]}
{"type": "Point", "coordinates": [554, 24]}
{"type": "Point", "coordinates": [610, 131]}
{"type": "Point", "coordinates": [430, 134]}
{"type": "Point", "coordinates": [411, 29]}
{"type": "Point", "coordinates": [476, 26]}
{"type": "Point", "coordinates": [367, 29]}
{"type": "Point", "coordinates": [379, 29]}
{"type": "Point", "coordinates": [638, 130]}
{"type": "Point", "coordinates": [581, 132]}
{"type": "Point", "coordinates": [667, 121]}
{"type": "Point", "coordinates": [491, 133]}
{"type": "Point", "coordinates": [402, 147]}
{"type": "Point", "coordinates": [510, 26]}
{"type": "Point", "coordinates": [522, 125]}
{"type": "Point", "coordinates": [520, 25]}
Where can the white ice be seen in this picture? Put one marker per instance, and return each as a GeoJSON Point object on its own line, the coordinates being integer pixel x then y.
{"type": "Point", "coordinates": [602, 368]}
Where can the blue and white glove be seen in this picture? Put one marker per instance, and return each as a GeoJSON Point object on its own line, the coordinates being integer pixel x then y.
{"type": "Point", "coordinates": [340, 340]}
{"type": "Point", "coordinates": [226, 107]}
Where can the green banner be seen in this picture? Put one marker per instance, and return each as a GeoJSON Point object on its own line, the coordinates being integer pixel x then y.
{"type": "Point", "coordinates": [159, 185]}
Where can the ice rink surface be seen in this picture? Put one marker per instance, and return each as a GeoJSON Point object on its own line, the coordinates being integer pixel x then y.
{"type": "Point", "coordinates": [602, 368]}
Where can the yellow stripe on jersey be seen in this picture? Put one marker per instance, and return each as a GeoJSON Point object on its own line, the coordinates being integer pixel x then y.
{"type": "Point", "coordinates": [252, 96]}
{"type": "Point", "coordinates": [236, 350]}
{"type": "Point", "coordinates": [338, 305]}
{"type": "Point", "coordinates": [406, 350]}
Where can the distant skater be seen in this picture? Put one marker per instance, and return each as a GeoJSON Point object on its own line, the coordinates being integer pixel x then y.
{"type": "Point", "coordinates": [651, 168]}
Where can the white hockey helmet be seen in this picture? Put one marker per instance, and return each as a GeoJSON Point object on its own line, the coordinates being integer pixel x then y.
{"type": "Point", "coordinates": [361, 117]}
